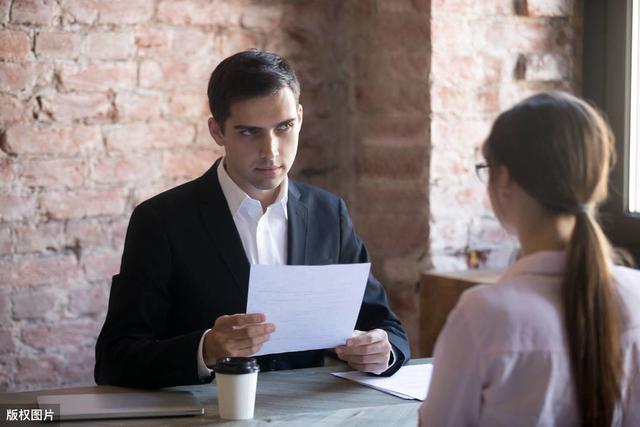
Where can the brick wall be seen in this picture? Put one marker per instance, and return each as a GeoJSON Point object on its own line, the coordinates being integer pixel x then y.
{"type": "Point", "coordinates": [102, 104]}
{"type": "Point", "coordinates": [486, 55]}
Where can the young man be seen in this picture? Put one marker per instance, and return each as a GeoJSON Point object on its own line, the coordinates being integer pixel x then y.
{"type": "Point", "coordinates": [178, 303]}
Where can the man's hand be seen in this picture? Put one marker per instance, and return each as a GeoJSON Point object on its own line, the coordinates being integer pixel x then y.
{"type": "Point", "coordinates": [238, 335]}
{"type": "Point", "coordinates": [367, 351]}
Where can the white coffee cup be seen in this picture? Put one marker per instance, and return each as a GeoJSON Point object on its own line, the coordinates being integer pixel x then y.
{"type": "Point", "coordinates": [236, 381]}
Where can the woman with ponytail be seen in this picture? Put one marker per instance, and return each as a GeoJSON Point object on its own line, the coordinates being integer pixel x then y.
{"type": "Point", "coordinates": [556, 342]}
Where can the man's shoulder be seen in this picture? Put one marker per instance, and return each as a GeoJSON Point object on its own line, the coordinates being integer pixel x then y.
{"type": "Point", "coordinates": [309, 193]}
{"type": "Point", "coordinates": [178, 197]}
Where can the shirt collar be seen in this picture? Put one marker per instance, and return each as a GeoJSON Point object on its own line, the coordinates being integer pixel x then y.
{"type": "Point", "coordinates": [549, 263]}
{"type": "Point", "coordinates": [236, 196]}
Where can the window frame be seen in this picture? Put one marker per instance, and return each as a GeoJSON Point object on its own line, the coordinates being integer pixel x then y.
{"type": "Point", "coordinates": [607, 56]}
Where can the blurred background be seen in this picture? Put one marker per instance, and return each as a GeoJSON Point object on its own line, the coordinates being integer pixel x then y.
{"type": "Point", "coordinates": [103, 104]}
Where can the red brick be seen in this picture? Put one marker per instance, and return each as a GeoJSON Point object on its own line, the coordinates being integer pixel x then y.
{"type": "Point", "coordinates": [98, 76]}
{"type": "Point", "coordinates": [39, 370]}
{"type": "Point", "coordinates": [88, 301]}
{"type": "Point", "coordinates": [142, 136]}
{"type": "Point", "coordinates": [459, 134]}
{"type": "Point", "coordinates": [5, 309]}
{"type": "Point", "coordinates": [83, 203]}
{"type": "Point", "coordinates": [142, 193]}
{"type": "Point", "coordinates": [28, 271]}
{"type": "Point", "coordinates": [6, 242]}
{"type": "Point", "coordinates": [87, 232]}
{"type": "Point", "coordinates": [138, 106]}
{"type": "Point", "coordinates": [393, 130]}
{"type": "Point", "coordinates": [109, 45]}
{"type": "Point", "coordinates": [66, 107]}
{"type": "Point", "coordinates": [392, 234]}
{"type": "Point", "coordinates": [125, 11]}
{"type": "Point", "coordinates": [204, 138]}
{"type": "Point", "coordinates": [199, 12]}
{"type": "Point", "coordinates": [59, 45]}
{"type": "Point", "coordinates": [63, 335]}
{"type": "Point", "coordinates": [180, 73]}
{"type": "Point", "coordinates": [5, 5]}
{"type": "Point", "coordinates": [262, 16]}
{"type": "Point", "coordinates": [80, 11]}
{"type": "Point", "coordinates": [391, 97]}
{"type": "Point", "coordinates": [7, 343]}
{"type": "Point", "coordinates": [188, 164]}
{"type": "Point", "coordinates": [76, 367]}
{"type": "Point", "coordinates": [393, 162]}
{"type": "Point", "coordinates": [476, 68]}
{"type": "Point", "coordinates": [38, 12]}
{"type": "Point", "coordinates": [549, 8]}
{"type": "Point", "coordinates": [152, 43]}
{"type": "Point", "coordinates": [14, 45]}
{"type": "Point", "coordinates": [229, 41]}
{"type": "Point", "coordinates": [394, 65]}
{"type": "Point", "coordinates": [124, 169]}
{"type": "Point", "coordinates": [118, 232]}
{"type": "Point", "coordinates": [39, 237]}
{"type": "Point", "coordinates": [450, 33]}
{"type": "Point", "coordinates": [69, 141]}
{"type": "Point", "coordinates": [18, 77]}
{"type": "Point", "coordinates": [473, 8]}
{"type": "Point", "coordinates": [458, 99]}
{"type": "Point", "coordinates": [12, 109]}
{"type": "Point", "coordinates": [386, 196]}
{"type": "Point", "coordinates": [193, 43]}
{"type": "Point", "coordinates": [544, 67]}
{"type": "Point", "coordinates": [14, 207]}
{"type": "Point", "coordinates": [51, 173]}
{"type": "Point", "coordinates": [6, 171]}
{"type": "Point", "coordinates": [189, 104]}
{"type": "Point", "coordinates": [33, 305]}
{"type": "Point", "coordinates": [101, 264]}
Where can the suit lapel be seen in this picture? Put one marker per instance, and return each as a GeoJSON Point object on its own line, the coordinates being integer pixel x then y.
{"type": "Point", "coordinates": [220, 226]}
{"type": "Point", "coordinates": [297, 227]}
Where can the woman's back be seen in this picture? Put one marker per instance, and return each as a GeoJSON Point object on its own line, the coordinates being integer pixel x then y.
{"type": "Point", "coordinates": [503, 357]}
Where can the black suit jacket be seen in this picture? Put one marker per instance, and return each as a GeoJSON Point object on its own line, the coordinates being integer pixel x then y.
{"type": "Point", "coordinates": [184, 265]}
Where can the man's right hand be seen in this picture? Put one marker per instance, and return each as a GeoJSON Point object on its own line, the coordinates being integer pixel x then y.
{"type": "Point", "coordinates": [237, 335]}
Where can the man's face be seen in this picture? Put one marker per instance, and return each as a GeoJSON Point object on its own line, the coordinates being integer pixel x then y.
{"type": "Point", "coordinates": [260, 138]}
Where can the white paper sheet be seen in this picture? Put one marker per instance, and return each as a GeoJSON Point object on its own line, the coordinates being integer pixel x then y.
{"type": "Point", "coordinates": [312, 306]}
{"type": "Point", "coordinates": [410, 382]}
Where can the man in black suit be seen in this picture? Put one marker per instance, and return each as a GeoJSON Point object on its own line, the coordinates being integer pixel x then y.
{"type": "Point", "coordinates": [179, 301]}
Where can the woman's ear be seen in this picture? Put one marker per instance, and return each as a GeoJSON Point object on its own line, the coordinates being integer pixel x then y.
{"type": "Point", "coordinates": [503, 183]}
{"type": "Point", "coordinates": [216, 132]}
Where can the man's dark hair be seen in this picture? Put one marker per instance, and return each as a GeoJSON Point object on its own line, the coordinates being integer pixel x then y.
{"type": "Point", "coordinates": [245, 75]}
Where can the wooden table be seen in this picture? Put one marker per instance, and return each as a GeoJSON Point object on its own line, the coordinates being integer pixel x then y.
{"type": "Point", "coordinates": [300, 397]}
{"type": "Point", "coordinates": [439, 293]}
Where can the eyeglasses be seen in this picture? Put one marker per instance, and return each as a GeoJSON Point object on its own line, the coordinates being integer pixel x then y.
{"type": "Point", "coordinates": [482, 172]}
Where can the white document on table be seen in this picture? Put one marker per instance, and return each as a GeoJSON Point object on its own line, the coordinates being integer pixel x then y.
{"type": "Point", "coordinates": [409, 382]}
{"type": "Point", "coordinates": [312, 306]}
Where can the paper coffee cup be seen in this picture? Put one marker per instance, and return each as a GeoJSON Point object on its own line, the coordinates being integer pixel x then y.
{"type": "Point", "coordinates": [236, 380]}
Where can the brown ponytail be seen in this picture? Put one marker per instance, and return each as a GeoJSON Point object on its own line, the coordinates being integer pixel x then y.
{"type": "Point", "coordinates": [592, 322]}
{"type": "Point", "coordinates": [559, 150]}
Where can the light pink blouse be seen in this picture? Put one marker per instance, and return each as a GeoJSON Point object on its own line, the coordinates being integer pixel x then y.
{"type": "Point", "coordinates": [502, 357]}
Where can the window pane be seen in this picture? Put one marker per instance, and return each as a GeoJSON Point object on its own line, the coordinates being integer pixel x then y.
{"type": "Point", "coordinates": [634, 134]}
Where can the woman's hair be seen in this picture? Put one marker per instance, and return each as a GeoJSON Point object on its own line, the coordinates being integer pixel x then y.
{"type": "Point", "coordinates": [559, 149]}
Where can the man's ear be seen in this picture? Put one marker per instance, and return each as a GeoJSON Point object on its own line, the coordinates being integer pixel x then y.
{"type": "Point", "coordinates": [216, 131]}
{"type": "Point", "coordinates": [300, 114]}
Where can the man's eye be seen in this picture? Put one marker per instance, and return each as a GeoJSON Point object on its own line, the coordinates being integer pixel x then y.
{"type": "Point", "coordinates": [285, 126]}
{"type": "Point", "coordinates": [247, 132]}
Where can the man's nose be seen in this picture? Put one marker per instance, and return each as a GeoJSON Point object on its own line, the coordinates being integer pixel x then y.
{"type": "Point", "coordinates": [270, 146]}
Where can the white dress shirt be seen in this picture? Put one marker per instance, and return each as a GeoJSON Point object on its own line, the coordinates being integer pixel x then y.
{"type": "Point", "coordinates": [502, 358]}
{"type": "Point", "coordinates": [263, 233]}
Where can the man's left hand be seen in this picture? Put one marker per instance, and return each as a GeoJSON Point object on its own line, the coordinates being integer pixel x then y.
{"type": "Point", "coordinates": [366, 351]}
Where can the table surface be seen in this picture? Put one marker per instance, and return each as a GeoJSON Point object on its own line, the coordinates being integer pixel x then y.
{"type": "Point", "coordinates": [309, 397]}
